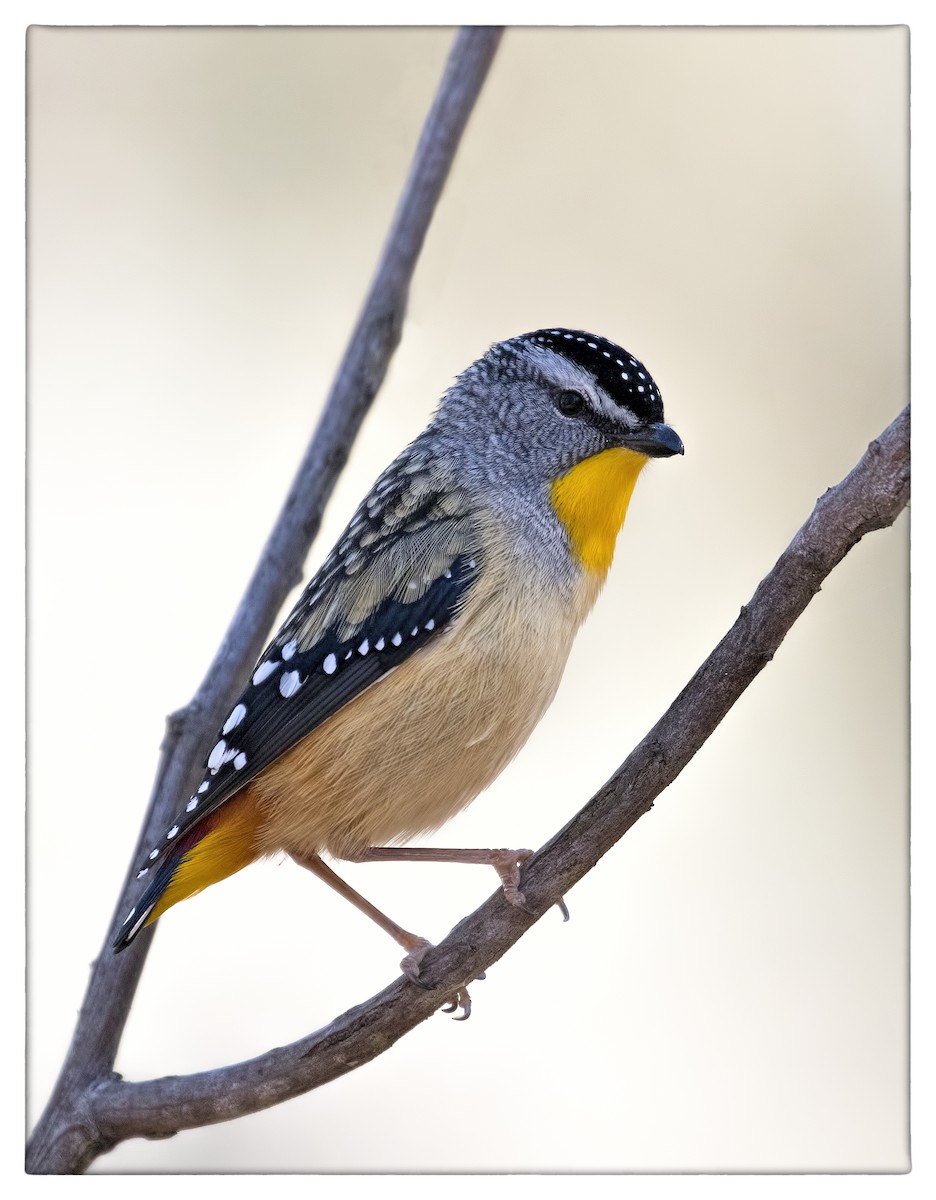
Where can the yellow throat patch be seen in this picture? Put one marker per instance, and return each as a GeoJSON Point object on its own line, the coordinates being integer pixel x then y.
{"type": "Point", "coordinates": [591, 502]}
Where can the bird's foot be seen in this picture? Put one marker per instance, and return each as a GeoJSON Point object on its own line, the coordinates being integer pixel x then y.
{"type": "Point", "coordinates": [409, 965]}
{"type": "Point", "coordinates": [507, 864]}
{"type": "Point", "coordinates": [410, 968]}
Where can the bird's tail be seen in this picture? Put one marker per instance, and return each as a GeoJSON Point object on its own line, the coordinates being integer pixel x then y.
{"type": "Point", "coordinates": [222, 843]}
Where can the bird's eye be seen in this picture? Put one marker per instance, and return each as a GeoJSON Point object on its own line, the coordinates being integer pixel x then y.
{"type": "Point", "coordinates": [570, 403]}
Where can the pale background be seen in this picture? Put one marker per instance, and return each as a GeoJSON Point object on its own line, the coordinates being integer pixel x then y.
{"type": "Point", "coordinates": [205, 211]}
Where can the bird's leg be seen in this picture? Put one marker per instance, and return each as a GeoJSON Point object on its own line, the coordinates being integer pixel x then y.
{"type": "Point", "coordinates": [414, 946]}
{"type": "Point", "coordinates": [506, 863]}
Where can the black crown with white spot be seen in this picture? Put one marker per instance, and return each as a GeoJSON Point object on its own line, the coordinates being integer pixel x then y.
{"type": "Point", "coordinates": [626, 380]}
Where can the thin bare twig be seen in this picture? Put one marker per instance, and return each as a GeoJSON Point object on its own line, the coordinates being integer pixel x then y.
{"type": "Point", "coordinates": [63, 1141]}
{"type": "Point", "coordinates": [870, 497]}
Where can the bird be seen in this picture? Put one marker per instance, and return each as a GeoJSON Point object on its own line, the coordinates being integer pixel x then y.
{"type": "Point", "coordinates": [425, 649]}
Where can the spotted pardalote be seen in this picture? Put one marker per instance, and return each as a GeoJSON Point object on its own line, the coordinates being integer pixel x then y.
{"type": "Point", "coordinates": [427, 646]}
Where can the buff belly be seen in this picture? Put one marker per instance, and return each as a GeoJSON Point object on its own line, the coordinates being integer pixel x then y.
{"type": "Point", "coordinates": [405, 756]}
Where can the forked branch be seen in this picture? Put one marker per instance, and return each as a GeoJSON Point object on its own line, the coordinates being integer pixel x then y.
{"type": "Point", "coordinates": [870, 497]}
{"type": "Point", "coordinates": [92, 1109]}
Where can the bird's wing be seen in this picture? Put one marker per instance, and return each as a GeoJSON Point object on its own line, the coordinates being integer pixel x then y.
{"type": "Point", "coordinates": [396, 580]}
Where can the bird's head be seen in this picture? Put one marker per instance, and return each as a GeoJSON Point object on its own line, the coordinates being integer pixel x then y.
{"type": "Point", "coordinates": [555, 397]}
{"type": "Point", "coordinates": [564, 415]}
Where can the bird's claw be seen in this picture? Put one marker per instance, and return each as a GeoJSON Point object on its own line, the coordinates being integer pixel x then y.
{"type": "Point", "coordinates": [461, 1000]}
{"type": "Point", "coordinates": [410, 968]}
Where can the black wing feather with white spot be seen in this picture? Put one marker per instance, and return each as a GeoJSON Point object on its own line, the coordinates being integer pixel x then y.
{"type": "Point", "coordinates": [398, 577]}
{"type": "Point", "coordinates": [313, 685]}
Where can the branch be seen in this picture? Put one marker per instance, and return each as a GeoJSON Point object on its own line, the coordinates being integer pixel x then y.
{"type": "Point", "coordinates": [870, 497]}
{"type": "Point", "coordinates": [62, 1141]}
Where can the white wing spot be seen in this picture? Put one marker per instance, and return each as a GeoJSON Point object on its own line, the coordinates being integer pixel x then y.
{"type": "Point", "coordinates": [430, 624]}
{"type": "Point", "coordinates": [289, 650]}
{"type": "Point", "coordinates": [192, 804]}
{"type": "Point", "coordinates": [172, 832]}
{"type": "Point", "coordinates": [330, 665]}
{"type": "Point", "coordinates": [264, 671]}
{"type": "Point", "coordinates": [216, 756]}
{"type": "Point", "coordinates": [397, 639]}
{"type": "Point", "coordinates": [203, 787]}
{"type": "Point", "coordinates": [592, 346]}
{"type": "Point", "coordinates": [379, 644]}
{"type": "Point", "coordinates": [413, 632]}
{"type": "Point", "coordinates": [237, 715]}
{"type": "Point", "coordinates": [289, 684]}
{"type": "Point", "coordinates": [624, 375]}
{"type": "Point", "coordinates": [140, 875]}
{"type": "Point", "coordinates": [640, 375]}
{"type": "Point", "coordinates": [348, 655]}
{"type": "Point", "coordinates": [154, 854]}
{"type": "Point", "coordinates": [448, 574]}
{"type": "Point", "coordinates": [240, 762]}
{"type": "Point", "coordinates": [364, 647]}
{"type": "Point", "coordinates": [640, 387]}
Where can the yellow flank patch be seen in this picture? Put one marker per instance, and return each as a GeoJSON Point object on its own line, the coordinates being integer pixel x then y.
{"type": "Point", "coordinates": [591, 502]}
{"type": "Point", "coordinates": [226, 849]}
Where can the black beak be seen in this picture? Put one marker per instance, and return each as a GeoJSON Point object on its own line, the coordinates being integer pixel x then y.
{"type": "Point", "coordinates": [656, 441]}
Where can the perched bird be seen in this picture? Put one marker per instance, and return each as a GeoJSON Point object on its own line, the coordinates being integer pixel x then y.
{"type": "Point", "coordinates": [423, 652]}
